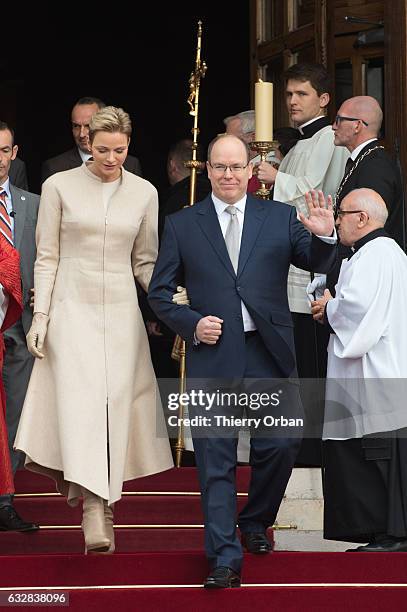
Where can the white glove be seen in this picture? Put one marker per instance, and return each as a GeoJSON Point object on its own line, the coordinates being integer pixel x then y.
{"type": "Point", "coordinates": [315, 289]}
{"type": "Point", "coordinates": [181, 297]}
{"type": "Point", "coordinates": [37, 333]}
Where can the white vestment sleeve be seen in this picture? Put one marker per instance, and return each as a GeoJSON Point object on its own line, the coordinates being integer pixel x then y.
{"type": "Point", "coordinates": [359, 312]}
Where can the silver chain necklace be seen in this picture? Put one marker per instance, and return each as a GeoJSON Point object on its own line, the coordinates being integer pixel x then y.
{"type": "Point", "coordinates": [351, 171]}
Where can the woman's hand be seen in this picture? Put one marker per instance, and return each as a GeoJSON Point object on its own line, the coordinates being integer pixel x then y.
{"type": "Point", "coordinates": [181, 297]}
{"type": "Point", "coordinates": [37, 333]}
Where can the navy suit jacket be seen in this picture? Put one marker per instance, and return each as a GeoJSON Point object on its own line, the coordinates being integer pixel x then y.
{"type": "Point", "coordinates": [193, 254]}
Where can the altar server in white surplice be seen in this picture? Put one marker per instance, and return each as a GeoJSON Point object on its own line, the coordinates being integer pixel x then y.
{"type": "Point", "coordinates": [365, 428]}
{"type": "Point", "coordinates": [313, 163]}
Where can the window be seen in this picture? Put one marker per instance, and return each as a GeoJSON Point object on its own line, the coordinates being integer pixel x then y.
{"type": "Point", "coordinates": [303, 13]}
{"type": "Point", "coordinates": [270, 23]}
{"type": "Point", "coordinates": [343, 82]}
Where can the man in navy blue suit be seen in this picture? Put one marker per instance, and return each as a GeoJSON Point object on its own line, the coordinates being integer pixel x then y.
{"type": "Point", "coordinates": [232, 252]}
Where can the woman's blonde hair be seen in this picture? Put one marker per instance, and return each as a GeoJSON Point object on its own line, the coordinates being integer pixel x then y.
{"type": "Point", "coordinates": [110, 119]}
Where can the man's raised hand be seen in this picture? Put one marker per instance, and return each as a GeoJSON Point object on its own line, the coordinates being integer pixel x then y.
{"type": "Point", "coordinates": [321, 218]}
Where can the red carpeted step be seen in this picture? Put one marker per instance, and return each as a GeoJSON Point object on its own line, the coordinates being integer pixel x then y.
{"type": "Point", "coordinates": [130, 510]}
{"type": "Point", "coordinates": [182, 479]}
{"type": "Point", "coordinates": [260, 599]}
{"type": "Point", "coordinates": [172, 568]}
{"type": "Point", "coordinates": [68, 541]}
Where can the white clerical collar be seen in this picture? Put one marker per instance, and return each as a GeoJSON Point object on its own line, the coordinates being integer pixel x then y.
{"type": "Point", "coordinates": [84, 156]}
{"type": "Point", "coordinates": [6, 187]}
{"type": "Point", "coordinates": [221, 206]}
{"type": "Point", "coordinates": [358, 149]}
{"type": "Point", "coordinates": [303, 125]}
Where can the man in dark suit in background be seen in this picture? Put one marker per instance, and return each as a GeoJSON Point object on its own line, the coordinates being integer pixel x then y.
{"type": "Point", "coordinates": [179, 178]}
{"type": "Point", "coordinates": [18, 174]}
{"type": "Point", "coordinates": [22, 209]}
{"type": "Point", "coordinates": [232, 253]}
{"type": "Point", "coordinates": [357, 127]}
{"type": "Point", "coordinates": [80, 117]}
{"type": "Point", "coordinates": [173, 199]}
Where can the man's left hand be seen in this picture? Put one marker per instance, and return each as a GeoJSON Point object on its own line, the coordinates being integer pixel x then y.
{"type": "Point", "coordinates": [318, 306]}
{"type": "Point", "coordinates": [321, 217]}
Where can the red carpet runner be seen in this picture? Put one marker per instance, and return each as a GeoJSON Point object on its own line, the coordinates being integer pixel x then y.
{"type": "Point", "coordinates": [162, 515]}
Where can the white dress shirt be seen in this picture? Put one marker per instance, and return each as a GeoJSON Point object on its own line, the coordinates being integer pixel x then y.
{"type": "Point", "coordinates": [224, 219]}
{"type": "Point", "coordinates": [358, 149]}
{"type": "Point", "coordinates": [84, 156]}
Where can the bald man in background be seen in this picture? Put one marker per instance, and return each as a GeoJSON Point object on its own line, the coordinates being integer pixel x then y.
{"type": "Point", "coordinates": [365, 425]}
{"type": "Point", "coordinates": [242, 126]}
{"type": "Point", "coordinates": [357, 127]}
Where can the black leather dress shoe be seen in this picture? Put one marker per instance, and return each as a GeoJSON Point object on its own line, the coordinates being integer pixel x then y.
{"type": "Point", "coordinates": [11, 521]}
{"type": "Point", "coordinates": [222, 577]}
{"type": "Point", "coordinates": [389, 546]}
{"type": "Point", "coordinates": [256, 543]}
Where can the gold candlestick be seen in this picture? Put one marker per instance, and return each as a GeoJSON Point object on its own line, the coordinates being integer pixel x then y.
{"type": "Point", "coordinates": [263, 148]}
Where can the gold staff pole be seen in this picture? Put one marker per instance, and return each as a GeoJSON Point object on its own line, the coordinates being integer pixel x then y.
{"type": "Point", "coordinates": [178, 351]}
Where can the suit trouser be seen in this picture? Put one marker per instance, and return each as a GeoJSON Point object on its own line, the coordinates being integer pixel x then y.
{"type": "Point", "coordinates": [271, 459]}
{"type": "Point", "coordinates": [17, 367]}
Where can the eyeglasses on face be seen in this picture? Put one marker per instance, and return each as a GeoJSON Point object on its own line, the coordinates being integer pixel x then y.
{"type": "Point", "coordinates": [341, 213]}
{"type": "Point", "coordinates": [221, 168]}
{"type": "Point", "coordinates": [340, 118]}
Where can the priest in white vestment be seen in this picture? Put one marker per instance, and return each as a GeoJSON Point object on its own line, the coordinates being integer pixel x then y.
{"type": "Point", "coordinates": [365, 425]}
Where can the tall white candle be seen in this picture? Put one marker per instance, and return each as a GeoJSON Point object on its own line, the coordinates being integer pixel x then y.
{"type": "Point", "coordinates": [264, 111]}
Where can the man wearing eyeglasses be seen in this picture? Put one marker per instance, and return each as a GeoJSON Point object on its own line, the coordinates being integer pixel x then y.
{"type": "Point", "coordinates": [232, 252]}
{"type": "Point", "coordinates": [357, 127]}
{"type": "Point", "coordinates": [365, 427]}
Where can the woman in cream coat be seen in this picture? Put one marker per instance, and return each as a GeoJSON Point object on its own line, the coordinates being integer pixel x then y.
{"type": "Point", "coordinates": [92, 417]}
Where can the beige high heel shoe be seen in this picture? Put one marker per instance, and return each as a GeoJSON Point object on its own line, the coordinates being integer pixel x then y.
{"type": "Point", "coordinates": [93, 523]}
{"type": "Point", "coordinates": [109, 522]}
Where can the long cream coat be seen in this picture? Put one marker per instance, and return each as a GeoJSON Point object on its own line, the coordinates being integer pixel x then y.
{"type": "Point", "coordinates": [94, 397]}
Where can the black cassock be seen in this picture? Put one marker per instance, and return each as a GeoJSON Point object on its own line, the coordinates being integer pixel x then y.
{"type": "Point", "coordinates": [365, 487]}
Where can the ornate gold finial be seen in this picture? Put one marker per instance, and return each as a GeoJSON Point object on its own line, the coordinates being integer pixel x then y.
{"type": "Point", "coordinates": [196, 75]}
